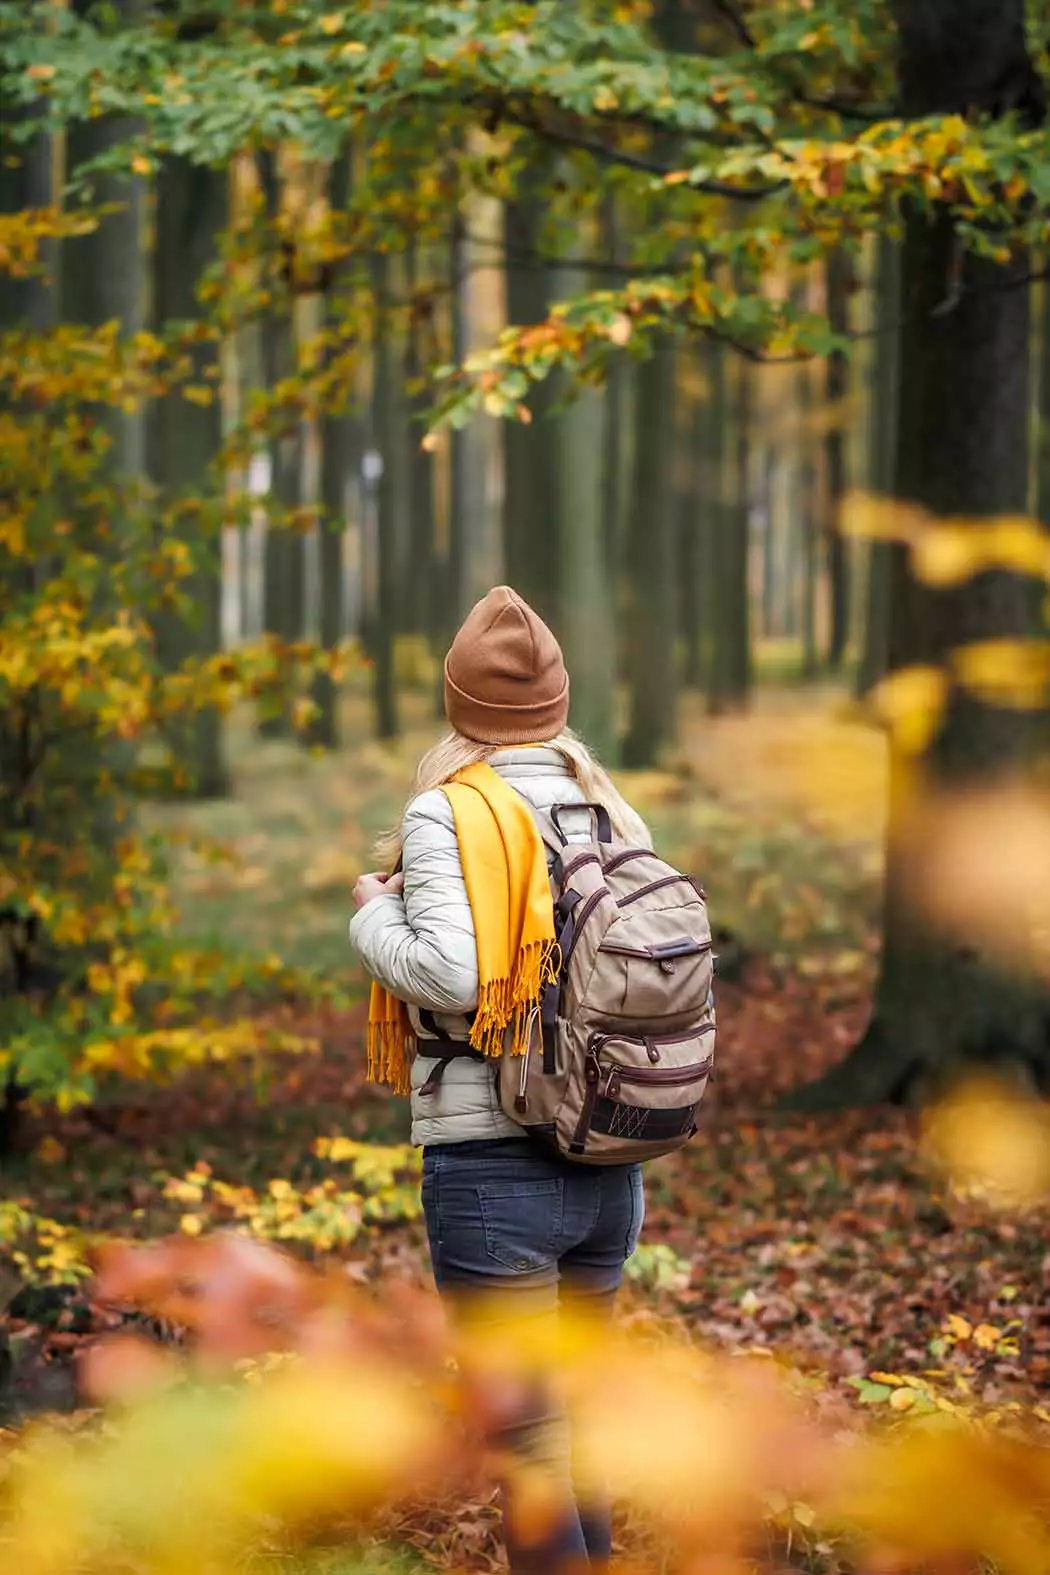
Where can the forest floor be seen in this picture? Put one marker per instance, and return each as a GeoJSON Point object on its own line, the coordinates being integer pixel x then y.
{"type": "Point", "coordinates": [831, 1240]}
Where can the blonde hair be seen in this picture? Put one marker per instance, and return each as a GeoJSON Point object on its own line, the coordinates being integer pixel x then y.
{"type": "Point", "coordinates": [454, 752]}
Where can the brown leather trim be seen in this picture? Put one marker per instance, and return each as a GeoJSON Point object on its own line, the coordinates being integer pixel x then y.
{"type": "Point", "coordinates": [656, 885]}
{"type": "Point", "coordinates": [578, 862]}
{"type": "Point", "coordinates": [585, 912]}
{"type": "Point", "coordinates": [626, 857]}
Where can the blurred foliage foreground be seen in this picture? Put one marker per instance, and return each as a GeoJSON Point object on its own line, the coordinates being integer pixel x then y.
{"type": "Point", "coordinates": [246, 1406]}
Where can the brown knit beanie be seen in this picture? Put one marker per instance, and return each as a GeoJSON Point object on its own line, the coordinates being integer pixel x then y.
{"type": "Point", "coordinates": [505, 678]}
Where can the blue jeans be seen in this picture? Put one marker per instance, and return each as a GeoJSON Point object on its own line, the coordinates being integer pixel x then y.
{"type": "Point", "coordinates": [504, 1216]}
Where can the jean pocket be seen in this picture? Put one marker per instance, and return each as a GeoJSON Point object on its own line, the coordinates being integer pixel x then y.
{"type": "Point", "coordinates": [522, 1222]}
{"type": "Point", "coordinates": [637, 1216]}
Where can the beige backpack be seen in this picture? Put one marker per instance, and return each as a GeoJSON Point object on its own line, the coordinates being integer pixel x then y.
{"type": "Point", "coordinates": [622, 1050]}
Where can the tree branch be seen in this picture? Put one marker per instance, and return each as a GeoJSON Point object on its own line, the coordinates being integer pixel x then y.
{"type": "Point", "coordinates": [833, 104]}
{"type": "Point", "coordinates": [611, 155]}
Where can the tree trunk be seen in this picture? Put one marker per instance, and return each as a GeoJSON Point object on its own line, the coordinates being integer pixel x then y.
{"type": "Point", "coordinates": [29, 183]}
{"type": "Point", "coordinates": [186, 437]}
{"type": "Point", "coordinates": [452, 579]}
{"type": "Point", "coordinates": [724, 564]}
{"type": "Point", "coordinates": [531, 453]}
{"type": "Point", "coordinates": [420, 611]}
{"type": "Point", "coordinates": [769, 489]}
{"type": "Point", "coordinates": [588, 628]}
{"type": "Point", "coordinates": [587, 625]}
{"type": "Point", "coordinates": [692, 543]}
{"type": "Point", "coordinates": [839, 284]}
{"type": "Point", "coordinates": [804, 526]}
{"type": "Point", "coordinates": [616, 463]}
{"type": "Point", "coordinates": [805, 522]}
{"type": "Point", "coordinates": [340, 456]}
{"type": "Point", "coordinates": [283, 588]}
{"type": "Point", "coordinates": [386, 433]}
{"type": "Point", "coordinates": [783, 544]}
{"type": "Point", "coordinates": [883, 446]}
{"type": "Point", "coordinates": [251, 379]}
{"type": "Point", "coordinates": [732, 654]}
{"type": "Point", "coordinates": [1043, 451]}
{"type": "Point", "coordinates": [32, 304]}
{"type": "Point", "coordinates": [962, 451]}
{"type": "Point", "coordinates": [103, 277]}
{"type": "Point", "coordinates": [651, 568]}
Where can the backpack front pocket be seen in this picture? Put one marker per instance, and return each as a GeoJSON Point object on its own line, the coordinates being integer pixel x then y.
{"type": "Point", "coordinates": [653, 983]}
{"type": "Point", "coordinates": [641, 1089]}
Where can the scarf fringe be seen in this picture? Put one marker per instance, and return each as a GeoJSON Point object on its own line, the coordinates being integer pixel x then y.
{"type": "Point", "coordinates": [505, 871]}
{"type": "Point", "coordinates": [391, 1048]}
{"type": "Point", "coordinates": [513, 1003]}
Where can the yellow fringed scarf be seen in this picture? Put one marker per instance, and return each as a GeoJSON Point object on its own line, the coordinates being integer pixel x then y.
{"type": "Point", "coordinates": [505, 870]}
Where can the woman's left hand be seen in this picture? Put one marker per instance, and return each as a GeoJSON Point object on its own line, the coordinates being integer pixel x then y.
{"type": "Point", "coordinates": [375, 885]}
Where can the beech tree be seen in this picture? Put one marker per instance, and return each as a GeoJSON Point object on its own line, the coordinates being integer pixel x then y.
{"type": "Point", "coordinates": [962, 454]}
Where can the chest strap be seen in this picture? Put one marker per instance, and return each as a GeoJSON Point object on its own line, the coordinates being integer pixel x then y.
{"type": "Point", "coordinates": [451, 1050]}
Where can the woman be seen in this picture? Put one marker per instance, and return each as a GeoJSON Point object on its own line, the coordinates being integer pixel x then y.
{"type": "Point", "coordinates": [458, 951]}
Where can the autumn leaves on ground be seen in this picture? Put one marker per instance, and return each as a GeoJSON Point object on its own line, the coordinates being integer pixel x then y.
{"type": "Point", "coordinates": [833, 1242]}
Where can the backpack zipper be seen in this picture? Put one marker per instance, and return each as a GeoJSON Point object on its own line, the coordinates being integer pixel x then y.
{"type": "Point", "coordinates": [667, 1075]}
{"type": "Point", "coordinates": [578, 862]}
{"type": "Point", "coordinates": [625, 858]}
{"type": "Point", "coordinates": [657, 885]}
{"type": "Point", "coordinates": [652, 1041]}
{"type": "Point", "coordinates": [521, 1101]}
{"type": "Point", "coordinates": [701, 949]}
{"type": "Point", "coordinates": [593, 1074]}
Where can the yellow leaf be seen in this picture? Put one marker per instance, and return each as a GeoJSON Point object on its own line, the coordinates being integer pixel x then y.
{"type": "Point", "coordinates": [353, 48]}
{"type": "Point", "coordinates": [996, 842]}
{"type": "Point", "coordinates": [988, 1137]}
{"type": "Point", "coordinates": [198, 394]}
{"type": "Point", "coordinates": [332, 22]}
{"type": "Point", "coordinates": [620, 329]}
{"type": "Point", "coordinates": [142, 165]}
{"type": "Point", "coordinates": [676, 178]}
{"type": "Point", "coordinates": [911, 703]}
{"type": "Point", "coordinates": [948, 554]}
{"type": "Point", "coordinates": [191, 1224]}
{"type": "Point", "coordinates": [1020, 544]}
{"type": "Point", "coordinates": [986, 1336]}
{"type": "Point", "coordinates": [605, 100]}
{"type": "Point", "coordinates": [903, 1399]}
{"type": "Point", "coordinates": [956, 1327]}
{"type": "Point", "coordinates": [1011, 673]}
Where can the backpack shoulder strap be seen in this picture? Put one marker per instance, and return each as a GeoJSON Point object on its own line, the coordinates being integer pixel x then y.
{"type": "Point", "coordinates": [565, 823]}
{"type": "Point", "coordinates": [552, 841]}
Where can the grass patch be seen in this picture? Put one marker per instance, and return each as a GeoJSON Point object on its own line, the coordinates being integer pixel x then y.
{"type": "Point", "coordinates": [779, 813]}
